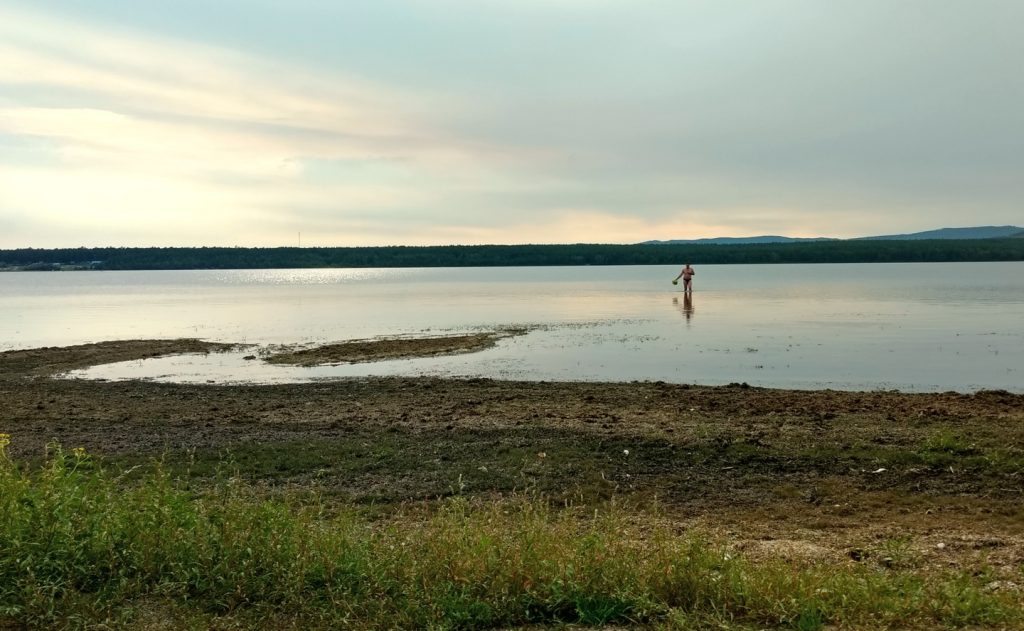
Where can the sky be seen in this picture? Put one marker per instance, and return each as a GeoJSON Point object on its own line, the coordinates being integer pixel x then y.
{"type": "Point", "coordinates": [422, 122]}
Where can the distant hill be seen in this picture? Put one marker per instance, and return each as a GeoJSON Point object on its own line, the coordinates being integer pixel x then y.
{"type": "Point", "coordinates": [739, 240]}
{"type": "Point", "coordinates": [978, 232]}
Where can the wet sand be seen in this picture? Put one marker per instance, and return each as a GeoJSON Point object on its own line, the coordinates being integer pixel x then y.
{"type": "Point", "coordinates": [830, 474]}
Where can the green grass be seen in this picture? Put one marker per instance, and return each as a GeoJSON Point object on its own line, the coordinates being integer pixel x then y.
{"type": "Point", "coordinates": [81, 546]}
{"type": "Point", "coordinates": [384, 467]}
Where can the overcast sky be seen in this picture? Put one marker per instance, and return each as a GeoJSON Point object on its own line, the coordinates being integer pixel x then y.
{"type": "Point", "coordinates": [380, 122]}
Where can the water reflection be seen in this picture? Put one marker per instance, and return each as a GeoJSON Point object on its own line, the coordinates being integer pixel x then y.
{"type": "Point", "coordinates": [908, 326]}
{"type": "Point", "coordinates": [686, 307]}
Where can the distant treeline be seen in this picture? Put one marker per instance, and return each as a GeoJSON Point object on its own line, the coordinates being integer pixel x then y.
{"type": "Point", "coordinates": [516, 255]}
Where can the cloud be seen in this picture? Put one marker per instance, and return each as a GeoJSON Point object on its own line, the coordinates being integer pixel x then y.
{"type": "Point", "coordinates": [185, 138]}
{"type": "Point", "coordinates": [393, 122]}
{"type": "Point", "coordinates": [177, 102]}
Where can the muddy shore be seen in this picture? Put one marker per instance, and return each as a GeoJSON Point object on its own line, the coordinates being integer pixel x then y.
{"type": "Point", "coordinates": [828, 474]}
{"type": "Point", "coordinates": [389, 348]}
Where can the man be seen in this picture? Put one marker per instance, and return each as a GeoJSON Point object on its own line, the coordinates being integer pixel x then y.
{"type": "Point", "coordinates": [687, 276]}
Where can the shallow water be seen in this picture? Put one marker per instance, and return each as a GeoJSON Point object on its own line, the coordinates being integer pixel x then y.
{"type": "Point", "coordinates": [915, 327]}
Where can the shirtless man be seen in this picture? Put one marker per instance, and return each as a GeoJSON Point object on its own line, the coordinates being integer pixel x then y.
{"type": "Point", "coordinates": [687, 276]}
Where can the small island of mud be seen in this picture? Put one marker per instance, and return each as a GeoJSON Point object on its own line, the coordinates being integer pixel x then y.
{"type": "Point", "coordinates": [38, 362]}
{"type": "Point", "coordinates": [358, 351]}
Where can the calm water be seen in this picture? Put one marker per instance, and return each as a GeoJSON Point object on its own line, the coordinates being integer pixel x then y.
{"type": "Point", "coordinates": [917, 327]}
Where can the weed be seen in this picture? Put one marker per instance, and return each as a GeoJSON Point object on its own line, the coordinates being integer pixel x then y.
{"type": "Point", "coordinates": [947, 442]}
{"type": "Point", "coordinates": [897, 552]}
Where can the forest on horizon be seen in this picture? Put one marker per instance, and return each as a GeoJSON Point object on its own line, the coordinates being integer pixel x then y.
{"type": "Point", "coordinates": [179, 258]}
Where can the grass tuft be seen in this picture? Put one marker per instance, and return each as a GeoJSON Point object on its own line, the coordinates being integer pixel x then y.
{"type": "Point", "coordinates": [82, 546]}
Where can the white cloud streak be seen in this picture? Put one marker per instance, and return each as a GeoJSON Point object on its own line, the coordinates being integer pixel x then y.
{"type": "Point", "coordinates": [172, 134]}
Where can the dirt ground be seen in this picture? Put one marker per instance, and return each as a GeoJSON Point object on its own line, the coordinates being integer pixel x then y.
{"type": "Point", "coordinates": [881, 477]}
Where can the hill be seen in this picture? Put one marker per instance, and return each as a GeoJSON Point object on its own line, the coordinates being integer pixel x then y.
{"type": "Point", "coordinates": [976, 232]}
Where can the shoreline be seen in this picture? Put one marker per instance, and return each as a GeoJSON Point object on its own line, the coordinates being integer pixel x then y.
{"type": "Point", "coordinates": [59, 361]}
{"type": "Point", "coordinates": [833, 470]}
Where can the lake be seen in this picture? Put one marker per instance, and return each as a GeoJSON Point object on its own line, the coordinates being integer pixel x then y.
{"type": "Point", "coordinates": [908, 326]}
